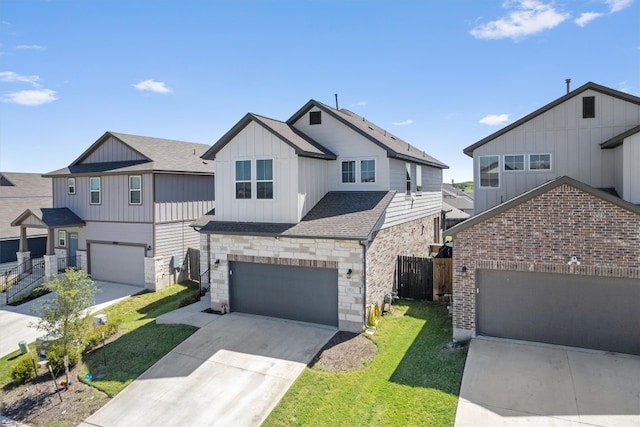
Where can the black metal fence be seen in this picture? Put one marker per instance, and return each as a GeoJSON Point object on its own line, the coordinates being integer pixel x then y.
{"type": "Point", "coordinates": [68, 262]}
{"type": "Point", "coordinates": [22, 276]}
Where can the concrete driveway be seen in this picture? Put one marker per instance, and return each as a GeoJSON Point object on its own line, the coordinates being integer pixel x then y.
{"type": "Point", "coordinates": [232, 371]}
{"type": "Point", "coordinates": [517, 383]}
{"type": "Point", "coordinates": [15, 321]}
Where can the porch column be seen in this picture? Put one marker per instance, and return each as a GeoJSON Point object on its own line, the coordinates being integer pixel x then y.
{"type": "Point", "coordinates": [50, 267]}
{"type": "Point", "coordinates": [50, 242]}
{"type": "Point", "coordinates": [24, 243]}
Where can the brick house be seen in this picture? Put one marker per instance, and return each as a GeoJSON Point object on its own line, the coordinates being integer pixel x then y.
{"type": "Point", "coordinates": [312, 213]}
{"type": "Point", "coordinates": [558, 261]}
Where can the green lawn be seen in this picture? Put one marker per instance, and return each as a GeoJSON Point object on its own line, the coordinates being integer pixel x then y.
{"type": "Point", "coordinates": [413, 381]}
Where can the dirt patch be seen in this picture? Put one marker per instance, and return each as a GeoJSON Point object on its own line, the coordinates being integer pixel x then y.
{"type": "Point", "coordinates": [37, 403]}
{"type": "Point", "coordinates": [345, 351]}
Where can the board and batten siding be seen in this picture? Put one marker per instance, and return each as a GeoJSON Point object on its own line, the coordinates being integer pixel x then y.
{"type": "Point", "coordinates": [113, 150]}
{"type": "Point", "coordinates": [182, 197]}
{"type": "Point", "coordinates": [252, 143]}
{"type": "Point", "coordinates": [631, 170]}
{"type": "Point", "coordinates": [405, 208]}
{"type": "Point", "coordinates": [347, 144]}
{"type": "Point", "coordinates": [572, 141]}
{"type": "Point", "coordinates": [114, 194]}
{"type": "Point", "coordinates": [312, 183]}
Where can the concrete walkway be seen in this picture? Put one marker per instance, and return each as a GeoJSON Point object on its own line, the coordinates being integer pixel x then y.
{"type": "Point", "coordinates": [231, 372]}
{"type": "Point", "coordinates": [15, 321]}
{"type": "Point", "coordinates": [517, 383]}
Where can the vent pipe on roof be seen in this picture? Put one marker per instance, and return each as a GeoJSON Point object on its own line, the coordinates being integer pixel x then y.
{"type": "Point", "coordinates": [337, 102]}
{"type": "Point", "coordinates": [568, 82]}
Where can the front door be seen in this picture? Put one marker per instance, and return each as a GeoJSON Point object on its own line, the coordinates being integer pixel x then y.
{"type": "Point", "coordinates": [73, 247]}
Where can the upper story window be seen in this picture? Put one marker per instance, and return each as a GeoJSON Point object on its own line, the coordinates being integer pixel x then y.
{"type": "Point", "coordinates": [514, 162]}
{"type": "Point", "coordinates": [490, 171]}
{"type": "Point", "coordinates": [62, 238]}
{"type": "Point", "coordinates": [71, 186]}
{"type": "Point", "coordinates": [367, 171]}
{"type": "Point", "coordinates": [407, 167]}
{"type": "Point", "coordinates": [264, 179]}
{"type": "Point", "coordinates": [539, 161]}
{"type": "Point", "coordinates": [588, 107]}
{"type": "Point", "coordinates": [243, 179]}
{"type": "Point", "coordinates": [419, 179]}
{"type": "Point", "coordinates": [349, 171]}
{"type": "Point", "coordinates": [315, 117]}
{"type": "Point", "coordinates": [95, 196]}
{"type": "Point", "coordinates": [135, 190]}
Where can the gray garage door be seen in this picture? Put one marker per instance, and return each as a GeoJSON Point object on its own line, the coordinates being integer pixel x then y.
{"type": "Point", "coordinates": [296, 293]}
{"type": "Point", "coordinates": [117, 263]}
{"type": "Point", "coordinates": [579, 311]}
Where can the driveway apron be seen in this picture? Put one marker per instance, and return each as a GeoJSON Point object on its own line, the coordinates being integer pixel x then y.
{"type": "Point", "coordinates": [232, 371]}
{"type": "Point", "coordinates": [517, 383]}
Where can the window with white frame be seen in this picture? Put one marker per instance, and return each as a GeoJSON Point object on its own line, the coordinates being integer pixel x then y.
{"type": "Point", "coordinates": [135, 190]}
{"type": "Point", "coordinates": [407, 167]}
{"type": "Point", "coordinates": [243, 179]}
{"type": "Point", "coordinates": [95, 196]}
{"type": "Point", "coordinates": [514, 162]}
{"type": "Point", "coordinates": [62, 238]}
{"type": "Point", "coordinates": [71, 186]}
{"type": "Point", "coordinates": [419, 179]}
{"type": "Point", "coordinates": [264, 179]}
{"type": "Point", "coordinates": [367, 171]}
{"type": "Point", "coordinates": [489, 171]}
{"type": "Point", "coordinates": [539, 162]}
{"type": "Point", "coordinates": [349, 171]}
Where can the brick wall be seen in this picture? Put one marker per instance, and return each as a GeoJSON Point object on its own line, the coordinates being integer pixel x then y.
{"type": "Point", "coordinates": [541, 235]}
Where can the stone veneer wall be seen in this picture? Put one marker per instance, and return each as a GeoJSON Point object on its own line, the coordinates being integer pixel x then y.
{"type": "Point", "coordinates": [411, 238]}
{"type": "Point", "coordinates": [323, 253]}
{"type": "Point", "coordinates": [541, 235]}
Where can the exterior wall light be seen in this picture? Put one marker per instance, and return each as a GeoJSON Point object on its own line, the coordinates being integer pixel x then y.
{"type": "Point", "coordinates": [349, 271]}
{"type": "Point", "coordinates": [464, 270]}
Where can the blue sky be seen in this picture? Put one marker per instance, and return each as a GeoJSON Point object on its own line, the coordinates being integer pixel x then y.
{"type": "Point", "coordinates": [440, 75]}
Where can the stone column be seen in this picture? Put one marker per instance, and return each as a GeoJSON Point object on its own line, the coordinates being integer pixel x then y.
{"type": "Point", "coordinates": [81, 260]}
{"type": "Point", "coordinates": [50, 267]}
{"type": "Point", "coordinates": [23, 259]}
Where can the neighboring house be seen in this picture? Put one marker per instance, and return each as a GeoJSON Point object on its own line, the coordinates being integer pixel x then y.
{"type": "Point", "coordinates": [18, 192]}
{"type": "Point", "coordinates": [559, 260]}
{"type": "Point", "coordinates": [312, 213]}
{"type": "Point", "coordinates": [457, 205]}
{"type": "Point", "coordinates": [124, 208]}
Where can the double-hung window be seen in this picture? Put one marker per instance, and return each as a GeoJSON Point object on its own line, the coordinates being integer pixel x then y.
{"type": "Point", "coordinates": [349, 171]}
{"type": "Point", "coordinates": [71, 186]}
{"type": "Point", "coordinates": [264, 179]}
{"type": "Point", "coordinates": [407, 167]}
{"type": "Point", "coordinates": [95, 196]}
{"type": "Point", "coordinates": [514, 162]}
{"type": "Point", "coordinates": [243, 179]}
{"type": "Point", "coordinates": [490, 171]}
{"type": "Point", "coordinates": [135, 190]}
{"type": "Point", "coordinates": [62, 238]}
{"type": "Point", "coordinates": [539, 162]}
{"type": "Point", "coordinates": [367, 171]}
{"type": "Point", "coordinates": [419, 180]}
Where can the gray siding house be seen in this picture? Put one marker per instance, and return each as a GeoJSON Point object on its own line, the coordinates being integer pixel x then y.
{"type": "Point", "coordinates": [123, 209]}
{"type": "Point", "coordinates": [312, 214]}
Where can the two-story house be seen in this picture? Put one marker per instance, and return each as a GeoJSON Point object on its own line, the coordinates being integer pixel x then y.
{"type": "Point", "coordinates": [553, 252]}
{"type": "Point", "coordinates": [123, 209]}
{"type": "Point", "coordinates": [312, 214]}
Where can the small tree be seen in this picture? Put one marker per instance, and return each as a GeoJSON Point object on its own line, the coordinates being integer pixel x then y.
{"type": "Point", "coordinates": [64, 315]}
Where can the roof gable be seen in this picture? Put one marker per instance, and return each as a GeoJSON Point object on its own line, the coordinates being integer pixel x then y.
{"type": "Point", "coordinates": [587, 86]}
{"type": "Point", "coordinates": [619, 139]}
{"type": "Point", "coordinates": [394, 146]}
{"type": "Point", "coordinates": [301, 144]}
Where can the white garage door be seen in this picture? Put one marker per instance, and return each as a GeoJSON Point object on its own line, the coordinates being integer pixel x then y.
{"type": "Point", "coordinates": [117, 263]}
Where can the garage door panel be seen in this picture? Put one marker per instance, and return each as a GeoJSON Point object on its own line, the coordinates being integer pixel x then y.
{"type": "Point", "coordinates": [574, 310]}
{"type": "Point", "coordinates": [117, 263]}
{"type": "Point", "coordinates": [296, 293]}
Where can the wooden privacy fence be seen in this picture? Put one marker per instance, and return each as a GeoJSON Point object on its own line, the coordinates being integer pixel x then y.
{"type": "Point", "coordinates": [193, 264]}
{"type": "Point", "coordinates": [424, 278]}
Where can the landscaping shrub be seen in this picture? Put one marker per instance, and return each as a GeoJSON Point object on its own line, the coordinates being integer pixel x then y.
{"type": "Point", "coordinates": [94, 337]}
{"type": "Point", "coordinates": [189, 299]}
{"type": "Point", "coordinates": [23, 369]}
{"type": "Point", "coordinates": [55, 356]}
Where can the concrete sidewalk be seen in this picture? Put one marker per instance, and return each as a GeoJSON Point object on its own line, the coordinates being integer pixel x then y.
{"type": "Point", "coordinates": [518, 383]}
{"type": "Point", "coordinates": [15, 321]}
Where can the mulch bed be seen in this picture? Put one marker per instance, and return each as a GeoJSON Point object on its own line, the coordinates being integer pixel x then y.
{"type": "Point", "coordinates": [345, 351]}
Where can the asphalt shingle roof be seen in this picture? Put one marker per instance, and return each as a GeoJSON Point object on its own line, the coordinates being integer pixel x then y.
{"type": "Point", "coordinates": [52, 217]}
{"type": "Point", "coordinates": [28, 191]}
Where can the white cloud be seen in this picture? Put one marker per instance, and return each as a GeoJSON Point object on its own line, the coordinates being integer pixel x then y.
{"type": "Point", "coordinates": [586, 18]}
{"type": "Point", "coordinates": [618, 5]}
{"type": "Point", "coordinates": [152, 86]}
{"type": "Point", "coordinates": [403, 123]}
{"type": "Point", "coordinates": [30, 47]}
{"type": "Point", "coordinates": [31, 98]}
{"type": "Point", "coordinates": [495, 119]}
{"type": "Point", "coordinates": [530, 17]}
{"type": "Point", "coordinates": [359, 104]}
{"type": "Point", "coordinates": [11, 77]}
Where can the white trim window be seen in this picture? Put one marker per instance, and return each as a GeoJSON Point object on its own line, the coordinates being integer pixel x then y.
{"type": "Point", "coordinates": [513, 162]}
{"type": "Point", "coordinates": [348, 171]}
{"type": "Point", "coordinates": [62, 238]}
{"type": "Point", "coordinates": [367, 171]}
{"type": "Point", "coordinates": [264, 179]}
{"type": "Point", "coordinates": [489, 171]}
{"type": "Point", "coordinates": [135, 190]}
{"type": "Point", "coordinates": [407, 167]}
{"type": "Point", "coordinates": [418, 179]}
{"type": "Point", "coordinates": [95, 191]}
{"type": "Point", "coordinates": [71, 186]}
{"type": "Point", "coordinates": [243, 179]}
{"type": "Point", "coordinates": [540, 162]}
